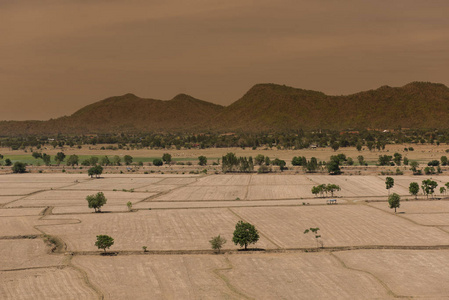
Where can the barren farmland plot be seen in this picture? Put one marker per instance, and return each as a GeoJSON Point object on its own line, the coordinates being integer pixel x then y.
{"type": "Point", "coordinates": [300, 276]}
{"type": "Point", "coordinates": [77, 198]}
{"type": "Point", "coordinates": [26, 253]}
{"type": "Point", "coordinates": [199, 193]}
{"type": "Point", "coordinates": [16, 212]}
{"type": "Point", "coordinates": [408, 273]}
{"type": "Point", "coordinates": [157, 277]}
{"type": "Point", "coordinates": [340, 225]}
{"type": "Point", "coordinates": [49, 283]}
{"type": "Point", "coordinates": [115, 183]}
{"type": "Point", "coordinates": [416, 207]}
{"type": "Point", "coordinates": [158, 229]}
{"type": "Point", "coordinates": [14, 226]}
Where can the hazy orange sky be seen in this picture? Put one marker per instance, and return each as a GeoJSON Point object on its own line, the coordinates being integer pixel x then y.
{"type": "Point", "coordinates": [57, 56]}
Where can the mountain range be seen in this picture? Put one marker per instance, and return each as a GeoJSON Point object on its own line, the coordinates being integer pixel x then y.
{"type": "Point", "coordinates": [265, 107]}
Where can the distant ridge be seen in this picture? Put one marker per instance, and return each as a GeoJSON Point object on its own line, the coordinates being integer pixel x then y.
{"type": "Point", "coordinates": [265, 107]}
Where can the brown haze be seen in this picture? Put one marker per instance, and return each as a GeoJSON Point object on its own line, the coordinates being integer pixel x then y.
{"type": "Point", "coordinates": [58, 56]}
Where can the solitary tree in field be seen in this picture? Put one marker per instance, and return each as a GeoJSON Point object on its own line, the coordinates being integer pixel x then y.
{"type": "Point", "coordinates": [166, 157]}
{"type": "Point", "coordinates": [59, 157]}
{"type": "Point", "coordinates": [129, 205]}
{"type": "Point", "coordinates": [394, 201]}
{"type": "Point", "coordinates": [317, 236]}
{"type": "Point", "coordinates": [244, 234]}
{"type": "Point", "coordinates": [95, 170]}
{"type": "Point", "coordinates": [217, 242]}
{"type": "Point", "coordinates": [96, 201]}
{"type": "Point", "coordinates": [19, 167]}
{"type": "Point", "coordinates": [128, 159]}
{"type": "Point", "coordinates": [157, 162]}
{"type": "Point", "coordinates": [202, 160]}
{"type": "Point", "coordinates": [389, 183]}
{"type": "Point", "coordinates": [104, 242]}
{"type": "Point", "coordinates": [442, 190]}
{"type": "Point", "coordinates": [414, 189]}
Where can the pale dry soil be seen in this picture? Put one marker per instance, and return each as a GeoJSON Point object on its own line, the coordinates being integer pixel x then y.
{"type": "Point", "coordinates": [175, 216]}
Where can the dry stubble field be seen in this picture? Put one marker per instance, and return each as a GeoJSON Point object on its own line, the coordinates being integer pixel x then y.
{"type": "Point", "coordinates": [369, 252]}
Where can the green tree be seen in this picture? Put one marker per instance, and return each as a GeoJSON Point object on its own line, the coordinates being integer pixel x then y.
{"type": "Point", "coordinates": [414, 166]}
{"type": "Point", "coordinates": [361, 160]}
{"type": "Point", "coordinates": [95, 170]}
{"type": "Point", "coordinates": [332, 188]}
{"type": "Point", "coordinates": [315, 190]}
{"type": "Point", "coordinates": [116, 160]}
{"type": "Point", "coordinates": [397, 158]}
{"type": "Point", "coordinates": [414, 189]}
{"type": "Point", "coordinates": [96, 201]}
{"type": "Point", "coordinates": [104, 161]}
{"type": "Point", "coordinates": [129, 204]}
{"type": "Point", "coordinates": [428, 187]}
{"type": "Point", "coordinates": [36, 155]}
{"type": "Point", "coordinates": [93, 160]}
{"type": "Point", "coordinates": [19, 167]}
{"type": "Point", "coordinates": [59, 157]}
{"type": "Point", "coordinates": [444, 160]}
{"type": "Point", "coordinates": [405, 161]}
{"type": "Point", "coordinates": [128, 159]}
{"type": "Point", "coordinates": [333, 167]}
{"type": "Point", "coordinates": [47, 159]}
{"type": "Point", "coordinates": [72, 160]}
{"type": "Point", "coordinates": [104, 242]}
{"type": "Point", "coordinates": [442, 190]}
{"type": "Point", "coordinates": [245, 234]}
{"type": "Point", "coordinates": [229, 162]}
{"type": "Point", "coordinates": [259, 159]}
{"type": "Point", "coordinates": [335, 146]}
{"type": "Point", "coordinates": [394, 201]}
{"type": "Point", "coordinates": [157, 162]}
{"type": "Point", "coordinates": [202, 160]}
{"type": "Point", "coordinates": [358, 147]}
{"type": "Point", "coordinates": [389, 183]}
{"type": "Point", "coordinates": [217, 242]}
{"type": "Point", "coordinates": [166, 157]}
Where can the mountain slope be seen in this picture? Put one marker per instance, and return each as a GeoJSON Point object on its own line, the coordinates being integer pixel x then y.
{"type": "Point", "coordinates": [275, 107]}
{"type": "Point", "coordinates": [265, 107]}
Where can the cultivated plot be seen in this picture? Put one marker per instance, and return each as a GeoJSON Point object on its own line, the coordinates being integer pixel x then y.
{"type": "Point", "coordinates": [358, 186]}
{"type": "Point", "coordinates": [15, 226]}
{"type": "Point", "coordinates": [416, 207]}
{"type": "Point", "coordinates": [227, 180]}
{"type": "Point", "coordinates": [16, 212]}
{"type": "Point", "coordinates": [49, 283]}
{"type": "Point", "coordinates": [77, 198]}
{"type": "Point", "coordinates": [300, 276]}
{"type": "Point", "coordinates": [115, 183]}
{"type": "Point", "coordinates": [26, 253]}
{"type": "Point", "coordinates": [430, 219]}
{"type": "Point", "coordinates": [158, 229]}
{"type": "Point", "coordinates": [265, 192]}
{"type": "Point", "coordinates": [340, 225]}
{"type": "Point", "coordinates": [200, 193]}
{"type": "Point", "coordinates": [409, 273]}
{"type": "Point", "coordinates": [157, 277]}
{"type": "Point", "coordinates": [268, 179]}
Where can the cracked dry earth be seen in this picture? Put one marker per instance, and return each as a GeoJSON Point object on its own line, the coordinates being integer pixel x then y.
{"type": "Point", "coordinates": [47, 236]}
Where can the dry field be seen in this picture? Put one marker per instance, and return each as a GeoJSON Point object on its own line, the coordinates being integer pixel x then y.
{"type": "Point", "coordinates": [408, 273]}
{"type": "Point", "coordinates": [175, 216]}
